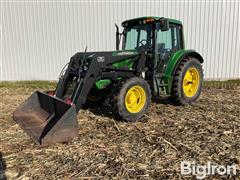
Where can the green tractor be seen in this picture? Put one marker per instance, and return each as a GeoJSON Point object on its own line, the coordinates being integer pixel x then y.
{"type": "Point", "coordinates": [152, 62]}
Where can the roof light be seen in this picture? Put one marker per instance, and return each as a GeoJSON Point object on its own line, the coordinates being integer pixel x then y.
{"type": "Point", "coordinates": [149, 20]}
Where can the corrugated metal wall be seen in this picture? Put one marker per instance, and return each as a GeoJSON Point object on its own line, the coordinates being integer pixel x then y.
{"type": "Point", "coordinates": [38, 38]}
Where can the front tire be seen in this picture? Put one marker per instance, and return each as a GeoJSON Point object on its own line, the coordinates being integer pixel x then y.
{"type": "Point", "coordinates": [133, 99]}
{"type": "Point", "coordinates": [95, 98]}
{"type": "Point", "coordinates": [187, 82]}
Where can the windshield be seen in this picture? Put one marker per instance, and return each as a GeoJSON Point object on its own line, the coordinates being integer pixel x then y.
{"type": "Point", "coordinates": [137, 36]}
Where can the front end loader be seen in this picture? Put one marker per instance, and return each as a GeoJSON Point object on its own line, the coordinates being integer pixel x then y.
{"type": "Point", "coordinates": [153, 62]}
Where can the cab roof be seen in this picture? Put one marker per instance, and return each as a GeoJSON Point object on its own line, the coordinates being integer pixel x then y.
{"type": "Point", "coordinates": [152, 17]}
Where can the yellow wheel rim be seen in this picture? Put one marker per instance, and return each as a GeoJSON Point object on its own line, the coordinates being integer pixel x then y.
{"type": "Point", "coordinates": [135, 99]}
{"type": "Point", "coordinates": [191, 82]}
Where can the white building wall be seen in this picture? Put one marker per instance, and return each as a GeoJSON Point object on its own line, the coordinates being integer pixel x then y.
{"type": "Point", "coordinates": [38, 38]}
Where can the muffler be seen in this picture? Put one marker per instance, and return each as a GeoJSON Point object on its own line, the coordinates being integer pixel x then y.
{"type": "Point", "coordinates": [47, 119]}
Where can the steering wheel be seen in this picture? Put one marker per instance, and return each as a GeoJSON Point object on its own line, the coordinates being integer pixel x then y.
{"type": "Point", "coordinates": [141, 42]}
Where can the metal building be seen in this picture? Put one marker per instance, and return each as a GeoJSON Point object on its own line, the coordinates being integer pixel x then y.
{"type": "Point", "coordinates": [38, 38]}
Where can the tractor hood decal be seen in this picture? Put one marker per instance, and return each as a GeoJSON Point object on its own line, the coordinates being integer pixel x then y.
{"type": "Point", "coordinates": [124, 53]}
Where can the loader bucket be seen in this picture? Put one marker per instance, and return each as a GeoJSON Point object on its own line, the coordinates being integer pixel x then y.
{"type": "Point", "coordinates": [46, 119]}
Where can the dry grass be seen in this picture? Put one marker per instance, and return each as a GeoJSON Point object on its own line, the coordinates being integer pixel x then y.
{"type": "Point", "coordinates": [150, 148]}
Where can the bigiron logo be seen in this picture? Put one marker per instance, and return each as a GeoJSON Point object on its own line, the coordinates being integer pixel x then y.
{"type": "Point", "coordinates": [202, 171]}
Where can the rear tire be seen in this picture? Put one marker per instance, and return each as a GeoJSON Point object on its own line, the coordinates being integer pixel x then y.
{"type": "Point", "coordinates": [187, 82]}
{"type": "Point", "coordinates": [133, 99]}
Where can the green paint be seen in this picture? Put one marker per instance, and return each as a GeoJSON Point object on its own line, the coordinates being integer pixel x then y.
{"type": "Point", "coordinates": [168, 81]}
{"type": "Point", "coordinates": [101, 84]}
{"type": "Point", "coordinates": [175, 58]}
{"type": "Point", "coordinates": [172, 63]}
{"type": "Point", "coordinates": [123, 63]}
{"type": "Point", "coordinates": [168, 74]}
{"type": "Point", "coordinates": [153, 17]}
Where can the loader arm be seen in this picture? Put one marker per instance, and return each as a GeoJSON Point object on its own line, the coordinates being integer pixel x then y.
{"type": "Point", "coordinates": [96, 66]}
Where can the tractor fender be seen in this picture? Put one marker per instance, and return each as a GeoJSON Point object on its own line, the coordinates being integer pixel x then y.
{"type": "Point", "coordinates": [176, 59]}
{"type": "Point", "coordinates": [173, 63]}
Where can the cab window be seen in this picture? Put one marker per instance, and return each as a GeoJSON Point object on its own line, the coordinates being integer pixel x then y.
{"type": "Point", "coordinates": [138, 36]}
{"type": "Point", "coordinates": [169, 40]}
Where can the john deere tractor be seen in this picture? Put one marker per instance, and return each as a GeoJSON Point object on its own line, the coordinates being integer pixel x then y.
{"type": "Point", "coordinates": [152, 62]}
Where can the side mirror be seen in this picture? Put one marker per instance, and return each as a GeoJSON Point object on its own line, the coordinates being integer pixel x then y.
{"type": "Point", "coordinates": [164, 24]}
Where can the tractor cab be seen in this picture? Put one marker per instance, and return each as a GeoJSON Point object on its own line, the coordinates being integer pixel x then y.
{"type": "Point", "coordinates": [152, 32]}
{"type": "Point", "coordinates": [160, 37]}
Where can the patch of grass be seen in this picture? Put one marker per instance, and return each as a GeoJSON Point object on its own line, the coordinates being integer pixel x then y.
{"type": "Point", "coordinates": [28, 84]}
{"type": "Point", "coordinates": [229, 84]}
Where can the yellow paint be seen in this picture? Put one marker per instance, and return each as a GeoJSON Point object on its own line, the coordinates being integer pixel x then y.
{"type": "Point", "coordinates": [191, 82]}
{"type": "Point", "coordinates": [135, 99]}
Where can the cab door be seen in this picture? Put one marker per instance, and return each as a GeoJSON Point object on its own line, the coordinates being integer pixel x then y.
{"type": "Point", "coordinates": [167, 43]}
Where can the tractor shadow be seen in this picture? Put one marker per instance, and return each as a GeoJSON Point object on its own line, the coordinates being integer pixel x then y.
{"type": "Point", "coordinates": [163, 100]}
{"type": "Point", "coordinates": [3, 167]}
{"type": "Point", "coordinates": [107, 111]}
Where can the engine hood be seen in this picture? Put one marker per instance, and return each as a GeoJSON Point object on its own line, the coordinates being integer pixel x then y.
{"type": "Point", "coordinates": [106, 56]}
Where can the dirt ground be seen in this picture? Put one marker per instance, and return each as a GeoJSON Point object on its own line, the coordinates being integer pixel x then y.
{"type": "Point", "coordinates": [106, 148]}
